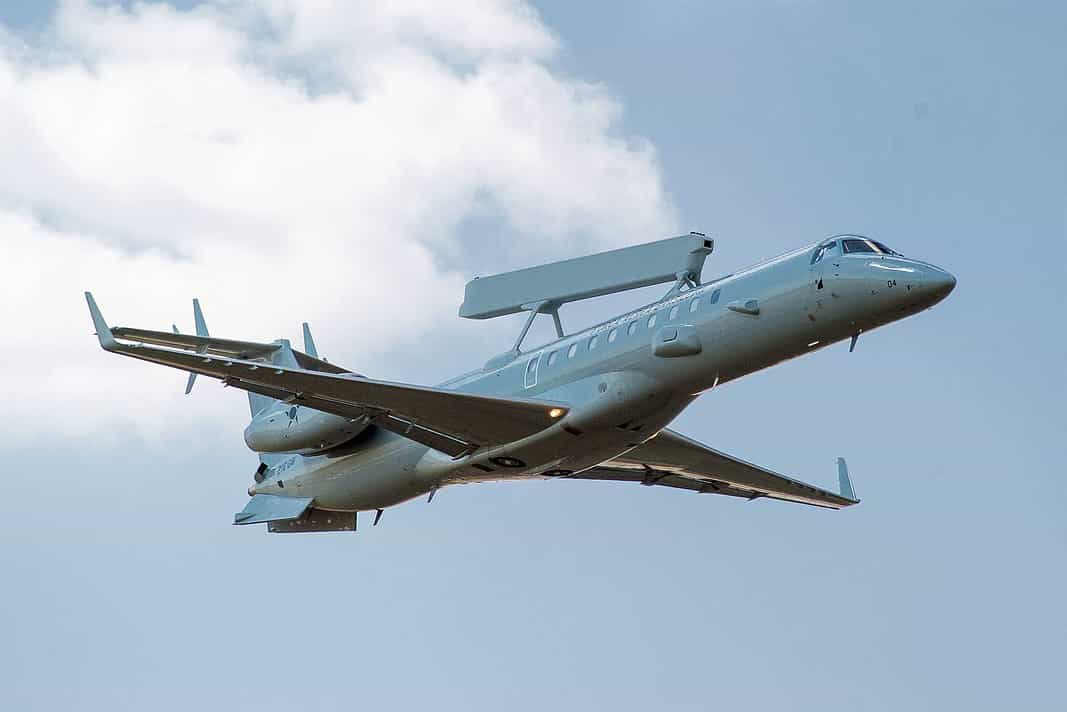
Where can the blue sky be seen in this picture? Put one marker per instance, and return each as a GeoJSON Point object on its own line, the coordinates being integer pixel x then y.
{"type": "Point", "coordinates": [940, 129]}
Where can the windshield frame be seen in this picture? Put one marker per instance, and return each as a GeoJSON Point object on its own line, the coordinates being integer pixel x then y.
{"type": "Point", "coordinates": [876, 247]}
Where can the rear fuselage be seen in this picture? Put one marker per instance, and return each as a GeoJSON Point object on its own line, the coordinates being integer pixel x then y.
{"type": "Point", "coordinates": [627, 378]}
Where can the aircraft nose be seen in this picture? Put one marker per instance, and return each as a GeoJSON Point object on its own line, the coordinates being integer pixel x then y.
{"type": "Point", "coordinates": [937, 283]}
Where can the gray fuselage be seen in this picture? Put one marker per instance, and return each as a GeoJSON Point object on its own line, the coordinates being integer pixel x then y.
{"type": "Point", "coordinates": [627, 378]}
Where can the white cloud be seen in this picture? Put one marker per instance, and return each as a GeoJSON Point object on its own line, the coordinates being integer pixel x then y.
{"type": "Point", "coordinates": [253, 153]}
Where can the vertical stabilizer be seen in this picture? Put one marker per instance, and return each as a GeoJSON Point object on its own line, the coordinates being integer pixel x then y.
{"type": "Point", "coordinates": [282, 357]}
{"type": "Point", "coordinates": [843, 480]}
{"type": "Point", "coordinates": [198, 318]}
{"type": "Point", "coordinates": [309, 343]}
{"type": "Point", "coordinates": [201, 330]}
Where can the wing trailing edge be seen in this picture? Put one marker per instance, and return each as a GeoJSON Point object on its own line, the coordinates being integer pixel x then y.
{"type": "Point", "coordinates": [451, 421]}
{"type": "Point", "coordinates": [673, 460]}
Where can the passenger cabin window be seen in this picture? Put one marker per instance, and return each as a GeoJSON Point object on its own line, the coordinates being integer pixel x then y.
{"type": "Point", "coordinates": [593, 342]}
{"type": "Point", "coordinates": [652, 320]}
{"type": "Point", "coordinates": [632, 328]}
{"type": "Point", "coordinates": [572, 350]}
{"type": "Point", "coordinates": [674, 313]}
{"type": "Point", "coordinates": [552, 357]}
{"type": "Point", "coordinates": [612, 335]}
{"type": "Point", "coordinates": [714, 297]}
{"type": "Point", "coordinates": [694, 305]}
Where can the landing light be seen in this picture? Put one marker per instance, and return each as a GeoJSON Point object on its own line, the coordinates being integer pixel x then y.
{"type": "Point", "coordinates": [555, 412]}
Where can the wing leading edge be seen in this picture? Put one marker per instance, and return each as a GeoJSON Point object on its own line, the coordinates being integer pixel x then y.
{"type": "Point", "coordinates": [673, 460]}
{"type": "Point", "coordinates": [450, 421]}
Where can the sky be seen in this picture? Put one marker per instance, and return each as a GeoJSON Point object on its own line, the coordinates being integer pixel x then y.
{"type": "Point", "coordinates": [352, 165]}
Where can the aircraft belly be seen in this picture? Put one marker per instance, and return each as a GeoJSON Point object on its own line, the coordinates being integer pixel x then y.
{"type": "Point", "coordinates": [558, 454]}
{"type": "Point", "coordinates": [557, 451]}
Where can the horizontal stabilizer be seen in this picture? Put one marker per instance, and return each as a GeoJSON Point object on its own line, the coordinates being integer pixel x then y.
{"type": "Point", "coordinates": [571, 280]}
{"type": "Point", "coordinates": [271, 508]}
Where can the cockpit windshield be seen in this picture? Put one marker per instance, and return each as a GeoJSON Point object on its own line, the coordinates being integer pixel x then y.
{"type": "Point", "coordinates": [849, 244]}
{"type": "Point", "coordinates": [862, 244]}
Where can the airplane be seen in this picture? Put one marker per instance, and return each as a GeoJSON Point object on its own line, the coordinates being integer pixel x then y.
{"type": "Point", "coordinates": [590, 405]}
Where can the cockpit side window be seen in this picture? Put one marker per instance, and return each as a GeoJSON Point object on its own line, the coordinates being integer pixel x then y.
{"type": "Point", "coordinates": [823, 251]}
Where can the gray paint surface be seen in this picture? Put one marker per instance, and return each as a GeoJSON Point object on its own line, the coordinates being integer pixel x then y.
{"type": "Point", "coordinates": [932, 126]}
{"type": "Point", "coordinates": [566, 281]}
{"type": "Point", "coordinates": [588, 405]}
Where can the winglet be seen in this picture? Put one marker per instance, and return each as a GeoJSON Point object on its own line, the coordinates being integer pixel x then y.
{"type": "Point", "coordinates": [843, 480]}
{"type": "Point", "coordinates": [103, 331]}
{"type": "Point", "coordinates": [309, 343]}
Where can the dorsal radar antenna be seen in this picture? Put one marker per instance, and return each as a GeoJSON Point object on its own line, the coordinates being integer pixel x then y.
{"type": "Point", "coordinates": [545, 288]}
{"type": "Point", "coordinates": [683, 280]}
{"type": "Point", "coordinates": [542, 307]}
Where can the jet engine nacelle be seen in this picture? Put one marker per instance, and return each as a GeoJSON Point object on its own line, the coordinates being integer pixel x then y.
{"type": "Point", "coordinates": [299, 429]}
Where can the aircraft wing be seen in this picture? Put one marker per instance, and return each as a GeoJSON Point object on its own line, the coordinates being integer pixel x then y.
{"type": "Point", "coordinates": [450, 421]}
{"type": "Point", "coordinates": [673, 460]}
{"type": "Point", "coordinates": [219, 347]}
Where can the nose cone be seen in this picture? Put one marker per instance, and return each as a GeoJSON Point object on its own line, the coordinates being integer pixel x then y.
{"type": "Point", "coordinates": [936, 283]}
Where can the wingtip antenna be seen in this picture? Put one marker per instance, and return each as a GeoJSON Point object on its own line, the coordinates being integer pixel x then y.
{"type": "Point", "coordinates": [844, 481]}
{"type": "Point", "coordinates": [103, 331]}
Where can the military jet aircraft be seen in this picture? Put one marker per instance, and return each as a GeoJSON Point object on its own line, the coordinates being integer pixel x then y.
{"type": "Point", "coordinates": [592, 405]}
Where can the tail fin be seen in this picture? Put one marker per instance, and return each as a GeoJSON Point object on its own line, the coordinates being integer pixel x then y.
{"type": "Point", "coordinates": [198, 317]}
{"type": "Point", "coordinates": [309, 343]}
{"type": "Point", "coordinates": [201, 330]}
{"type": "Point", "coordinates": [283, 356]}
{"type": "Point", "coordinates": [256, 403]}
